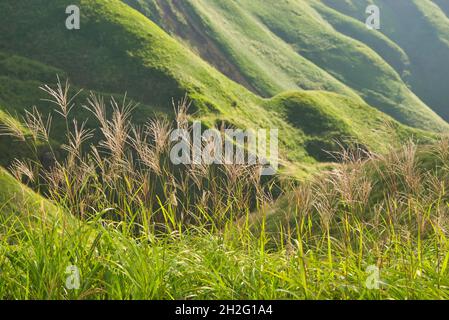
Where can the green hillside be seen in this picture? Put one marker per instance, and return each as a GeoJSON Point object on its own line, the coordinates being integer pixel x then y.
{"type": "Point", "coordinates": [295, 45]}
{"type": "Point", "coordinates": [16, 201]}
{"type": "Point", "coordinates": [421, 29]}
{"type": "Point", "coordinates": [98, 209]}
{"type": "Point", "coordinates": [328, 120]}
{"type": "Point", "coordinates": [118, 50]}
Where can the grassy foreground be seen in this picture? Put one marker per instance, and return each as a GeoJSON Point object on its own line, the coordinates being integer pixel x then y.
{"type": "Point", "coordinates": [319, 257]}
{"type": "Point", "coordinates": [199, 264]}
{"type": "Point", "coordinates": [137, 227]}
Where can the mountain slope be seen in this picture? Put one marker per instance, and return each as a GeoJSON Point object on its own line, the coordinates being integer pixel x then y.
{"type": "Point", "coordinates": [118, 49]}
{"type": "Point", "coordinates": [421, 29]}
{"type": "Point", "coordinates": [329, 121]}
{"type": "Point", "coordinates": [288, 45]}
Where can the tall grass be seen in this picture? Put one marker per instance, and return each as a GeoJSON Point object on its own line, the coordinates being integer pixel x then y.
{"type": "Point", "coordinates": [123, 172]}
{"type": "Point", "coordinates": [150, 230]}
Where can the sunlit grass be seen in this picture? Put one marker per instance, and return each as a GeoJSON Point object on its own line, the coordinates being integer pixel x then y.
{"type": "Point", "coordinates": [138, 227]}
{"type": "Point", "coordinates": [232, 264]}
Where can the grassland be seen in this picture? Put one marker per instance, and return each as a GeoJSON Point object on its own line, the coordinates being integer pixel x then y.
{"type": "Point", "coordinates": [85, 182]}
{"type": "Point", "coordinates": [139, 234]}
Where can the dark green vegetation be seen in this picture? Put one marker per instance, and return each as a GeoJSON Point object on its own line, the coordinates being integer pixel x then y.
{"type": "Point", "coordinates": [144, 229]}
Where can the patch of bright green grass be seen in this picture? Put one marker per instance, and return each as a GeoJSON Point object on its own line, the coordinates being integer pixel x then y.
{"type": "Point", "coordinates": [18, 201]}
{"type": "Point", "coordinates": [199, 264]}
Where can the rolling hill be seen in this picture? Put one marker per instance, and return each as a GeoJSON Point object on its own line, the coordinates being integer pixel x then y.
{"type": "Point", "coordinates": [275, 46]}
{"type": "Point", "coordinates": [421, 29]}
{"type": "Point", "coordinates": [119, 220]}
{"type": "Point", "coordinates": [118, 49]}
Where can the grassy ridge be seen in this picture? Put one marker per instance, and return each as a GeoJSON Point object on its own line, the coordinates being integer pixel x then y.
{"type": "Point", "coordinates": [356, 29]}
{"type": "Point", "coordinates": [328, 119]}
{"type": "Point", "coordinates": [351, 62]}
{"type": "Point", "coordinates": [421, 29]}
{"type": "Point", "coordinates": [118, 49]}
{"type": "Point", "coordinates": [290, 45]}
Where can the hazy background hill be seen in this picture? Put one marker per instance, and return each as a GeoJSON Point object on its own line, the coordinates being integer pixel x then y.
{"type": "Point", "coordinates": [421, 29]}
{"type": "Point", "coordinates": [272, 46]}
